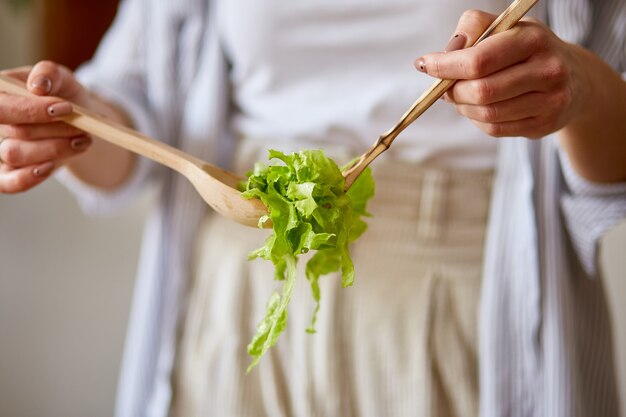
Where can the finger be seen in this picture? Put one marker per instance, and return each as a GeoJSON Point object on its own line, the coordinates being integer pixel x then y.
{"type": "Point", "coordinates": [495, 53]}
{"type": "Point", "coordinates": [518, 108]}
{"type": "Point", "coordinates": [19, 180]}
{"type": "Point", "coordinates": [39, 131]}
{"type": "Point", "coordinates": [49, 78]}
{"type": "Point", "coordinates": [532, 127]}
{"type": "Point", "coordinates": [20, 73]}
{"type": "Point", "coordinates": [18, 153]}
{"type": "Point", "coordinates": [15, 110]}
{"type": "Point", "coordinates": [503, 85]}
{"type": "Point", "coordinates": [471, 25]}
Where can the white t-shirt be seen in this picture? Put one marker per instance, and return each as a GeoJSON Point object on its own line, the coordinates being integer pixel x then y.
{"type": "Point", "coordinates": [309, 71]}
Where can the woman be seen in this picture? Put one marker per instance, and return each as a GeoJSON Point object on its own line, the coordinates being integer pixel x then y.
{"type": "Point", "coordinates": [228, 80]}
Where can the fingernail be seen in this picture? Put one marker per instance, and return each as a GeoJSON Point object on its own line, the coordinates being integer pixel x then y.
{"type": "Point", "coordinates": [43, 169]}
{"type": "Point", "coordinates": [420, 65]}
{"type": "Point", "coordinates": [457, 42]}
{"type": "Point", "coordinates": [80, 144]}
{"type": "Point", "coordinates": [42, 83]}
{"type": "Point", "coordinates": [60, 109]}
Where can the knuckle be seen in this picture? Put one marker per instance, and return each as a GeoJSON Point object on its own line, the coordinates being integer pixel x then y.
{"type": "Point", "coordinates": [68, 130]}
{"type": "Point", "coordinates": [476, 66]}
{"type": "Point", "coordinates": [532, 20]}
{"type": "Point", "coordinates": [436, 68]}
{"type": "Point", "coordinates": [31, 112]}
{"type": "Point", "coordinates": [473, 16]}
{"type": "Point", "coordinates": [558, 71]}
{"type": "Point", "coordinates": [19, 131]}
{"type": "Point", "coordinates": [554, 72]}
{"type": "Point", "coordinates": [493, 129]}
{"type": "Point", "coordinates": [490, 113]}
{"type": "Point", "coordinates": [538, 38]}
{"type": "Point", "coordinates": [54, 151]}
{"type": "Point", "coordinates": [483, 91]}
{"type": "Point", "coordinates": [5, 110]}
{"type": "Point", "coordinates": [17, 184]}
{"type": "Point", "coordinates": [28, 113]}
{"type": "Point", "coordinates": [11, 153]}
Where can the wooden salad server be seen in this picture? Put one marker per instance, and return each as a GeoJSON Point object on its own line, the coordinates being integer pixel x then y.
{"type": "Point", "coordinates": [219, 187]}
{"type": "Point", "coordinates": [505, 21]}
{"type": "Point", "coordinates": [216, 186]}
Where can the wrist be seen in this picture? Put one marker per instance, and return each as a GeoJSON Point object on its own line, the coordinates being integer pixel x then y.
{"type": "Point", "coordinates": [594, 137]}
{"type": "Point", "coordinates": [589, 88]}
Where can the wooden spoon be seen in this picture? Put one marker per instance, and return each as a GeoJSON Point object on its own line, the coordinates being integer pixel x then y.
{"type": "Point", "coordinates": [505, 21]}
{"type": "Point", "coordinates": [219, 187]}
{"type": "Point", "coordinates": [216, 186]}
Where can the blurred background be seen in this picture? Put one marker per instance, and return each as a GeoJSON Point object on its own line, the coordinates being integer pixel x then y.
{"type": "Point", "coordinates": [66, 280]}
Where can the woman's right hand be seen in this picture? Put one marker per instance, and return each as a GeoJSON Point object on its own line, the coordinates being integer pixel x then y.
{"type": "Point", "coordinates": [33, 140]}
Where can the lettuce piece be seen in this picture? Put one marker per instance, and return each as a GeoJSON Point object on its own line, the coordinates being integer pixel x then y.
{"type": "Point", "coordinates": [309, 210]}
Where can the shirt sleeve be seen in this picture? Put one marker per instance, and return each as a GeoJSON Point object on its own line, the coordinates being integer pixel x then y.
{"type": "Point", "coordinates": [590, 210]}
{"type": "Point", "coordinates": [118, 74]}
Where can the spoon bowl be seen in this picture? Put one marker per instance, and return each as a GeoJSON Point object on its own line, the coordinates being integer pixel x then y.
{"type": "Point", "coordinates": [219, 189]}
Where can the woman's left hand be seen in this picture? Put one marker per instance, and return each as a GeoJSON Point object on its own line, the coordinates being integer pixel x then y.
{"type": "Point", "coordinates": [522, 82]}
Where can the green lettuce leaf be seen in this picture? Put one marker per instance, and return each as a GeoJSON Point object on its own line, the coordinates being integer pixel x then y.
{"type": "Point", "coordinates": [309, 210]}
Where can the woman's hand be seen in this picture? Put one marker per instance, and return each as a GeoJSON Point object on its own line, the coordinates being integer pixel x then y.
{"type": "Point", "coordinates": [522, 82]}
{"type": "Point", "coordinates": [33, 140]}
{"type": "Point", "coordinates": [528, 82]}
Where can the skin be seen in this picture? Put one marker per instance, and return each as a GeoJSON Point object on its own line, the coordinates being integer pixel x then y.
{"type": "Point", "coordinates": [36, 142]}
{"type": "Point", "coordinates": [523, 82]}
{"type": "Point", "coordinates": [527, 82]}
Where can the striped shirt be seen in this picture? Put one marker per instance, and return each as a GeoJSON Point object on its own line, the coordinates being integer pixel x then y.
{"type": "Point", "coordinates": [545, 342]}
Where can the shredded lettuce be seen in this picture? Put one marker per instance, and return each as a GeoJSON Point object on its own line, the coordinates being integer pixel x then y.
{"type": "Point", "coordinates": [309, 210]}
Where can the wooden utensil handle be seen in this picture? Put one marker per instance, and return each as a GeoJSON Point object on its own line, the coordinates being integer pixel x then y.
{"type": "Point", "coordinates": [112, 132]}
{"type": "Point", "coordinates": [508, 18]}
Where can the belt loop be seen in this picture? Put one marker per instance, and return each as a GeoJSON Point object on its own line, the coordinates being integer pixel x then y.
{"type": "Point", "coordinates": [432, 206]}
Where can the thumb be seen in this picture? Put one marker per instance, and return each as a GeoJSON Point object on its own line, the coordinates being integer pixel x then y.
{"type": "Point", "coordinates": [51, 79]}
{"type": "Point", "coordinates": [471, 25]}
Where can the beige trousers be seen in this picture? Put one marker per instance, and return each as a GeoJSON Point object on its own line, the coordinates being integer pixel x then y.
{"type": "Point", "coordinates": [400, 342]}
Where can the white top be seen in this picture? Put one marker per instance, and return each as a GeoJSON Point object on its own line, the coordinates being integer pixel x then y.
{"type": "Point", "coordinates": [341, 72]}
{"type": "Point", "coordinates": [545, 345]}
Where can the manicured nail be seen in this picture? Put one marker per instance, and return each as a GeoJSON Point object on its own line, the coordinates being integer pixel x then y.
{"type": "Point", "coordinates": [43, 169]}
{"type": "Point", "coordinates": [79, 144]}
{"type": "Point", "coordinates": [420, 65]}
{"type": "Point", "coordinates": [42, 83]}
{"type": "Point", "coordinates": [60, 109]}
{"type": "Point", "coordinates": [457, 42]}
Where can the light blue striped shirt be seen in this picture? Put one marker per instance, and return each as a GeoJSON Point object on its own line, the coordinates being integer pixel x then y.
{"type": "Point", "coordinates": [545, 341]}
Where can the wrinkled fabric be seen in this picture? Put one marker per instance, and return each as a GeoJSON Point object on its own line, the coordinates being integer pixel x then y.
{"type": "Point", "coordinates": [545, 339]}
